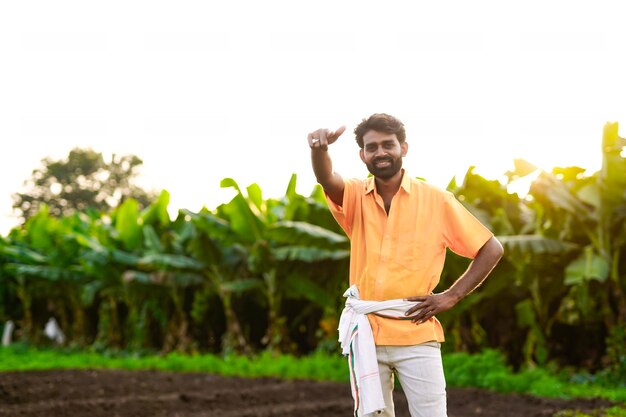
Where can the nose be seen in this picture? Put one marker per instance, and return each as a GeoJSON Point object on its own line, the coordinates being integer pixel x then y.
{"type": "Point", "coordinates": [380, 151]}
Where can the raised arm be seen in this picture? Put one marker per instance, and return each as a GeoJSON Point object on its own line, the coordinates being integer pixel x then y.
{"type": "Point", "coordinates": [322, 164]}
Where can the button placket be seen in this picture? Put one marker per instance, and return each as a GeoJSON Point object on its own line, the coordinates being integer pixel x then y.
{"type": "Point", "coordinates": [385, 250]}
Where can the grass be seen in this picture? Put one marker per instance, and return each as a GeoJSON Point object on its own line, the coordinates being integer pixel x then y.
{"type": "Point", "coordinates": [317, 367]}
{"type": "Point", "coordinates": [489, 370]}
{"type": "Point", "coordinates": [486, 370]}
{"type": "Point", "coordinates": [608, 412]}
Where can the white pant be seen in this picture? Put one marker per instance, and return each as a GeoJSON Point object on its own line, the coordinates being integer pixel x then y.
{"type": "Point", "coordinates": [420, 372]}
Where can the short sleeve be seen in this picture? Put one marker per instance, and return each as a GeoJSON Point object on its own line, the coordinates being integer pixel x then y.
{"type": "Point", "coordinates": [344, 213]}
{"type": "Point", "coordinates": [462, 232]}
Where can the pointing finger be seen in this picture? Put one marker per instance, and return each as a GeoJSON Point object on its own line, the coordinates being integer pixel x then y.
{"type": "Point", "coordinates": [333, 136]}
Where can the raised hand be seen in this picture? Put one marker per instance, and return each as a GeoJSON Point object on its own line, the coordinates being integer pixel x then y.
{"type": "Point", "coordinates": [321, 138]}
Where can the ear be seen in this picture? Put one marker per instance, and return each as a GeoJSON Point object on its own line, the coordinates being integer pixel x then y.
{"type": "Point", "coordinates": [405, 147]}
{"type": "Point", "coordinates": [362, 155]}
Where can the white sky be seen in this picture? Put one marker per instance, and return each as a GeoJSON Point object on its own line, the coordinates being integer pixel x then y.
{"type": "Point", "coordinates": [205, 90]}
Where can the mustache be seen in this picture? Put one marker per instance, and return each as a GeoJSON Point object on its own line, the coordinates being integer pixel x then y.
{"type": "Point", "coordinates": [383, 159]}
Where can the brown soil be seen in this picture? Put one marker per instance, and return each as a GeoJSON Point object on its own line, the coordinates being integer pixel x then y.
{"type": "Point", "coordinates": [150, 393]}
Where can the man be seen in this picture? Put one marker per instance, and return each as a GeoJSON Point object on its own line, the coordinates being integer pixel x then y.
{"type": "Point", "coordinates": [399, 229]}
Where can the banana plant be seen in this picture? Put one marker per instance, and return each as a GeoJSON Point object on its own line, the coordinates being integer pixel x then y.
{"type": "Point", "coordinates": [524, 286]}
{"type": "Point", "coordinates": [40, 264]}
{"type": "Point", "coordinates": [227, 276]}
{"type": "Point", "coordinates": [162, 270]}
{"type": "Point", "coordinates": [591, 211]}
{"type": "Point", "coordinates": [611, 229]}
{"type": "Point", "coordinates": [283, 245]}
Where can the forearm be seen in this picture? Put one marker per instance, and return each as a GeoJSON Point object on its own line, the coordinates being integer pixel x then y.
{"type": "Point", "coordinates": [323, 169]}
{"type": "Point", "coordinates": [484, 262]}
{"type": "Point", "coordinates": [322, 165]}
{"type": "Point", "coordinates": [479, 269]}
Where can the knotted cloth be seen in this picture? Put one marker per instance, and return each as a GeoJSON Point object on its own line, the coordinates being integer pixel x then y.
{"type": "Point", "coordinates": [357, 343]}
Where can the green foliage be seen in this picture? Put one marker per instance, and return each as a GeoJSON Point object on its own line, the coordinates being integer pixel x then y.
{"type": "Point", "coordinates": [615, 370]}
{"type": "Point", "coordinates": [489, 370]}
{"type": "Point", "coordinates": [126, 218]}
{"type": "Point", "coordinates": [317, 366]}
{"type": "Point", "coordinates": [617, 411]}
{"type": "Point", "coordinates": [564, 243]}
{"type": "Point", "coordinates": [587, 266]}
{"type": "Point", "coordinates": [82, 181]}
{"type": "Point", "coordinates": [266, 274]}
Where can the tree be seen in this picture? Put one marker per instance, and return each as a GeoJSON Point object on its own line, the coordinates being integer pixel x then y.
{"type": "Point", "coordinates": [83, 180]}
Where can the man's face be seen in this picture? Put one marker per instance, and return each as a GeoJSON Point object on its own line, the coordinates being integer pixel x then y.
{"type": "Point", "coordinates": [382, 154]}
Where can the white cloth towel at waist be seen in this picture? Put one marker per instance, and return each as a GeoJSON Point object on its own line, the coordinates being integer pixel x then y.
{"type": "Point", "coordinates": [357, 342]}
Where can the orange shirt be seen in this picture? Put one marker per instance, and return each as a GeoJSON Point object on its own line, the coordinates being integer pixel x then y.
{"type": "Point", "coordinates": [402, 254]}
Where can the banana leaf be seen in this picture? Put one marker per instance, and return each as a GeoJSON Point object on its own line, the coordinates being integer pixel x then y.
{"type": "Point", "coordinates": [305, 234]}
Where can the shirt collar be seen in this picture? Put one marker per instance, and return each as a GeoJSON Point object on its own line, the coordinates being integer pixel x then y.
{"type": "Point", "coordinates": [370, 183]}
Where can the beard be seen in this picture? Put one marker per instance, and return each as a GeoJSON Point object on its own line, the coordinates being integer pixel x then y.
{"type": "Point", "coordinates": [385, 172]}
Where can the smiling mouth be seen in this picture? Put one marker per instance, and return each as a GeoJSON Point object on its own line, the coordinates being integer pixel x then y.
{"type": "Point", "coordinates": [382, 163]}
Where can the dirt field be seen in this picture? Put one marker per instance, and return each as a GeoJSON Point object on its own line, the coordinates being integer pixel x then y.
{"type": "Point", "coordinates": [149, 393]}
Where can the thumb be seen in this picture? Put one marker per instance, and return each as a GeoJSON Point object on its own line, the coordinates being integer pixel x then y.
{"type": "Point", "coordinates": [334, 135]}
